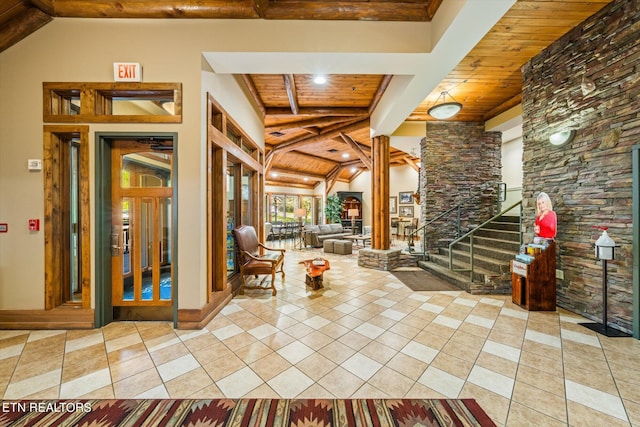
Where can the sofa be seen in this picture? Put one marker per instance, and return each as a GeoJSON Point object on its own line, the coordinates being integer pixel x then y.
{"type": "Point", "coordinates": [314, 235]}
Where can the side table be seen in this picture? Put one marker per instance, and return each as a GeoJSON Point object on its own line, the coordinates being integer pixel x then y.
{"type": "Point", "coordinates": [315, 269]}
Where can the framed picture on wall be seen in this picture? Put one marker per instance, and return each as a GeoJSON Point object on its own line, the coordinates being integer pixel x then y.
{"type": "Point", "coordinates": [406, 197]}
{"type": "Point", "coordinates": [406, 211]}
{"type": "Point", "coordinates": [393, 205]}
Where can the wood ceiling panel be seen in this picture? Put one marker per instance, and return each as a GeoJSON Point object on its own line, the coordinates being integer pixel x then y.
{"type": "Point", "coordinates": [356, 90]}
{"type": "Point", "coordinates": [273, 92]}
{"type": "Point", "coordinates": [487, 81]}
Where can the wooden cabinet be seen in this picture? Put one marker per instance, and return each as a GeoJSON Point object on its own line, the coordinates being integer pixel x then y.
{"type": "Point", "coordinates": [533, 286]}
{"type": "Point", "coordinates": [351, 200]}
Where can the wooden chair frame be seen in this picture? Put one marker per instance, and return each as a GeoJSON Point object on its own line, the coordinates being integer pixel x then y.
{"type": "Point", "coordinates": [255, 259]}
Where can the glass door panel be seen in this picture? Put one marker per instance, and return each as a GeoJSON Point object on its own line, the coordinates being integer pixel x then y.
{"type": "Point", "coordinates": [141, 235]}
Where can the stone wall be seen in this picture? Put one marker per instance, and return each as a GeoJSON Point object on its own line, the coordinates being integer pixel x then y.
{"type": "Point", "coordinates": [460, 163]}
{"type": "Point", "coordinates": [589, 179]}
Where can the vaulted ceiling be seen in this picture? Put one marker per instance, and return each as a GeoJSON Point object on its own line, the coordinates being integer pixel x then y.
{"type": "Point", "coordinates": [315, 133]}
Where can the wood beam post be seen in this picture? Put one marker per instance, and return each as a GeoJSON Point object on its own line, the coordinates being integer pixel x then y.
{"type": "Point", "coordinates": [380, 238]}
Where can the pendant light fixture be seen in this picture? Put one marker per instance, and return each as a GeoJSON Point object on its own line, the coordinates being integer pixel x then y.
{"type": "Point", "coordinates": [444, 110]}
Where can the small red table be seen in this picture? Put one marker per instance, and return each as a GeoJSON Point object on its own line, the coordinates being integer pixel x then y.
{"type": "Point", "coordinates": [315, 267]}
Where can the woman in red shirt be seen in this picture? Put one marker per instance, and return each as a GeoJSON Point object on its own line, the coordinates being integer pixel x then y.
{"type": "Point", "coordinates": [546, 222]}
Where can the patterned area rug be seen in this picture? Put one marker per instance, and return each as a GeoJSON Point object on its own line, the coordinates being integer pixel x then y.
{"type": "Point", "coordinates": [246, 412]}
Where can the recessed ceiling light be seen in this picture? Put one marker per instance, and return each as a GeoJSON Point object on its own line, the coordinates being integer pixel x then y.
{"type": "Point", "coordinates": [306, 179]}
{"type": "Point", "coordinates": [319, 80]}
{"type": "Point", "coordinates": [354, 170]}
{"type": "Point", "coordinates": [345, 155]}
{"type": "Point", "coordinates": [274, 174]}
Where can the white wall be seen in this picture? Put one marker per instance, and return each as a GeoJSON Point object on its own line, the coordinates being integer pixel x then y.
{"type": "Point", "coordinates": [512, 170]}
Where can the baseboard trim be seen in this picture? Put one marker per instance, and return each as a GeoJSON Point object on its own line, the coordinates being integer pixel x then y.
{"type": "Point", "coordinates": [57, 318]}
{"type": "Point", "coordinates": [198, 319]}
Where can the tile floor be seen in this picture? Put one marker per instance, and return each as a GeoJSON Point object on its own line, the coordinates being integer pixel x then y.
{"type": "Point", "coordinates": [364, 335]}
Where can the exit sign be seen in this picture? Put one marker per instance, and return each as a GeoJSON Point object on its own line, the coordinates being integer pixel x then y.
{"type": "Point", "coordinates": [127, 72]}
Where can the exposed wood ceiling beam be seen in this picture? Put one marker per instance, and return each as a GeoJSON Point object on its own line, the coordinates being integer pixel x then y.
{"type": "Point", "coordinates": [291, 184]}
{"type": "Point", "coordinates": [201, 9]}
{"type": "Point", "coordinates": [292, 145]}
{"type": "Point", "coordinates": [337, 111]}
{"type": "Point", "coordinates": [378, 95]}
{"type": "Point", "coordinates": [504, 106]}
{"type": "Point", "coordinates": [253, 91]}
{"type": "Point", "coordinates": [411, 163]}
{"type": "Point", "coordinates": [20, 27]}
{"type": "Point", "coordinates": [351, 10]}
{"type": "Point", "coordinates": [261, 6]}
{"type": "Point", "coordinates": [356, 147]}
{"type": "Point", "coordinates": [332, 176]}
{"type": "Point", "coordinates": [292, 93]}
{"type": "Point", "coordinates": [306, 123]}
{"type": "Point", "coordinates": [297, 174]}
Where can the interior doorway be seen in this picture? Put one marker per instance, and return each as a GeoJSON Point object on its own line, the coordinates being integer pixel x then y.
{"type": "Point", "coordinates": [136, 216]}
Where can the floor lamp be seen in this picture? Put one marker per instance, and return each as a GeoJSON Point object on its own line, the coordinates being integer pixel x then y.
{"type": "Point", "coordinates": [300, 213]}
{"type": "Point", "coordinates": [604, 252]}
{"type": "Point", "coordinates": [353, 213]}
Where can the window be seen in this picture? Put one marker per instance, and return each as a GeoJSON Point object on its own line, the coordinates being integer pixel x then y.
{"type": "Point", "coordinates": [66, 220]}
{"type": "Point", "coordinates": [113, 102]}
{"type": "Point", "coordinates": [233, 191]}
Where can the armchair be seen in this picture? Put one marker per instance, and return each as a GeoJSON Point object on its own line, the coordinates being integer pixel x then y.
{"type": "Point", "coordinates": [255, 258]}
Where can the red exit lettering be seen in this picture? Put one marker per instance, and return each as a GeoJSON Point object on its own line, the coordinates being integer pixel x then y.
{"type": "Point", "coordinates": [127, 71]}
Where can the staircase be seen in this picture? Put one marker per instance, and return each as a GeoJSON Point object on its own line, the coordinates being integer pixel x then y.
{"type": "Point", "coordinates": [494, 246]}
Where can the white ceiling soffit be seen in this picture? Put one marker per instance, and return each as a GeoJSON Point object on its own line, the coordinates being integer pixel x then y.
{"type": "Point", "coordinates": [456, 28]}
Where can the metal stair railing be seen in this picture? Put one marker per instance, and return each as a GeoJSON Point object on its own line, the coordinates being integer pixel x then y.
{"type": "Point", "coordinates": [470, 235]}
{"type": "Point", "coordinates": [423, 229]}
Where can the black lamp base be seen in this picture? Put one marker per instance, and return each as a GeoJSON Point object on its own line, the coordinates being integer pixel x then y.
{"type": "Point", "coordinates": [605, 330]}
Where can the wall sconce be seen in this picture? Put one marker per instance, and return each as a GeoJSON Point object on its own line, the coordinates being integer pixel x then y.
{"type": "Point", "coordinates": [562, 137]}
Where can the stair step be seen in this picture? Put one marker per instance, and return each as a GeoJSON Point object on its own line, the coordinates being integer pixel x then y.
{"type": "Point", "coordinates": [479, 274]}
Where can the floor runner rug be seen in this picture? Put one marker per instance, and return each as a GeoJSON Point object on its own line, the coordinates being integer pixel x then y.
{"type": "Point", "coordinates": [418, 279]}
{"type": "Point", "coordinates": [245, 412]}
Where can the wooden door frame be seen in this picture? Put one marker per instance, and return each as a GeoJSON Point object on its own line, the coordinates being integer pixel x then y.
{"type": "Point", "coordinates": [104, 309]}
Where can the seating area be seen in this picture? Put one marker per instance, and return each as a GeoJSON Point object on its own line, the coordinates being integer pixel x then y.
{"type": "Point", "coordinates": [315, 235]}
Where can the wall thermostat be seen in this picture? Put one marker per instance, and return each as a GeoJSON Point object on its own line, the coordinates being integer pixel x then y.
{"type": "Point", "coordinates": [34, 164]}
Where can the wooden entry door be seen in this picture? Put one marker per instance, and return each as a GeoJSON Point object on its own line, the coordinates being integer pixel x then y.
{"type": "Point", "coordinates": [141, 235]}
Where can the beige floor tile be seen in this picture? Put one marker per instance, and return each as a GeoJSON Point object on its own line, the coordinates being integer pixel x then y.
{"type": "Point", "coordinates": [316, 366]}
{"type": "Point", "coordinates": [391, 382]}
{"type": "Point", "coordinates": [496, 406]}
{"type": "Point", "coordinates": [522, 416]}
{"type": "Point", "coordinates": [541, 379]}
{"type": "Point", "coordinates": [188, 383]}
{"type": "Point", "coordinates": [583, 416]}
{"type": "Point", "coordinates": [253, 352]}
{"type": "Point", "coordinates": [458, 367]}
{"type": "Point", "coordinates": [270, 366]}
{"type": "Point", "coordinates": [73, 371]}
{"type": "Point", "coordinates": [540, 400]}
{"type": "Point", "coordinates": [407, 365]}
{"type": "Point", "coordinates": [340, 382]}
{"type": "Point", "coordinates": [224, 367]}
{"type": "Point", "coordinates": [379, 352]}
{"type": "Point", "coordinates": [365, 335]}
{"type": "Point", "coordinates": [316, 340]}
{"type": "Point", "coordinates": [130, 367]}
{"type": "Point", "coordinates": [497, 364]}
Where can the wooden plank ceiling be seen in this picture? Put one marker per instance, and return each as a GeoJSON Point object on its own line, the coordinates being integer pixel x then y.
{"type": "Point", "coordinates": [321, 132]}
